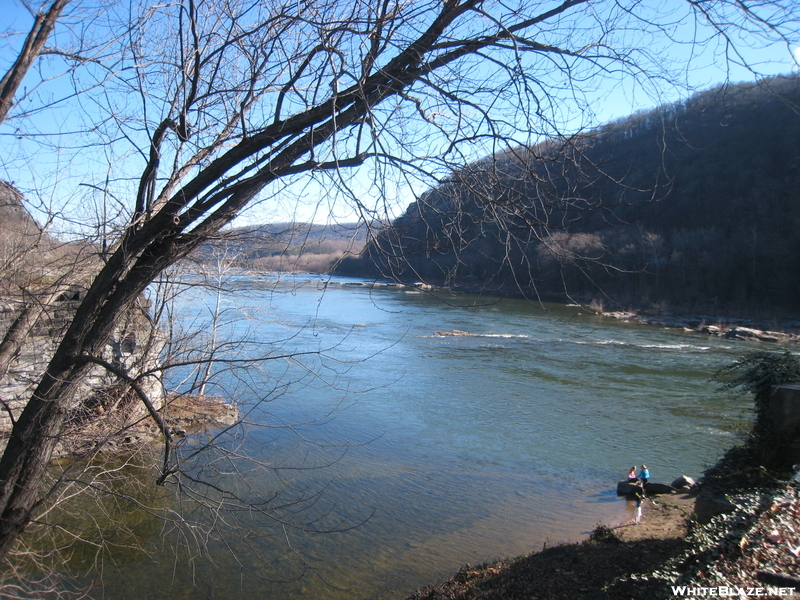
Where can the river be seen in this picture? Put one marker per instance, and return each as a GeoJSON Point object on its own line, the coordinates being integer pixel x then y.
{"type": "Point", "coordinates": [423, 451]}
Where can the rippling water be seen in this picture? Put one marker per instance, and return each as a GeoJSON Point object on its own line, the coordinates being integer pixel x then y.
{"type": "Point", "coordinates": [452, 449]}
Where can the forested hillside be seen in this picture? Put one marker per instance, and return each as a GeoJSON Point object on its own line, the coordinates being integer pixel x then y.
{"type": "Point", "coordinates": [691, 205]}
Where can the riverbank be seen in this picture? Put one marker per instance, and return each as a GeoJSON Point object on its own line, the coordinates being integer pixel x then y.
{"type": "Point", "coordinates": [755, 546]}
{"type": "Point", "coordinates": [603, 566]}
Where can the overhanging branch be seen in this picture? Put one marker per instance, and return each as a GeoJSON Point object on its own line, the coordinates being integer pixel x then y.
{"type": "Point", "coordinates": [134, 385]}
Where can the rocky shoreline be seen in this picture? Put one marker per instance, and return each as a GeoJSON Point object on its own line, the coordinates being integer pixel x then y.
{"type": "Point", "coordinates": [182, 415]}
{"type": "Point", "coordinates": [786, 331]}
{"type": "Point", "coordinates": [727, 328]}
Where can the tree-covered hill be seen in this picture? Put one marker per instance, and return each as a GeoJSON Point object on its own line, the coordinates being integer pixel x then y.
{"type": "Point", "coordinates": [694, 204]}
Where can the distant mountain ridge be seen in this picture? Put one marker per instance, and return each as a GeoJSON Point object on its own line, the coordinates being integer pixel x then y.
{"type": "Point", "coordinates": [305, 247]}
{"type": "Point", "coordinates": [693, 204]}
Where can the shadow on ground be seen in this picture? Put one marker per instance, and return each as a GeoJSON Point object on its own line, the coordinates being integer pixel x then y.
{"type": "Point", "coordinates": [592, 570]}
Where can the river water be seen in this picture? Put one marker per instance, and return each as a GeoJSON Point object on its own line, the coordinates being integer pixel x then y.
{"type": "Point", "coordinates": [426, 451]}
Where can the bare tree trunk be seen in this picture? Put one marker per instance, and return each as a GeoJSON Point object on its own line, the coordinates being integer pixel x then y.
{"type": "Point", "coordinates": [34, 436]}
{"type": "Point", "coordinates": [31, 445]}
{"type": "Point", "coordinates": [16, 335]}
{"type": "Point", "coordinates": [141, 256]}
{"type": "Point", "coordinates": [36, 433]}
{"type": "Point", "coordinates": [42, 27]}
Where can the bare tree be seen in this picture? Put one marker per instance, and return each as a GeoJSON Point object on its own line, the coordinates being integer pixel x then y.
{"type": "Point", "coordinates": [218, 105]}
{"type": "Point", "coordinates": [34, 44]}
{"type": "Point", "coordinates": [39, 267]}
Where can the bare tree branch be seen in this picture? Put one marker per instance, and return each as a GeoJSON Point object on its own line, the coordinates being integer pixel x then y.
{"type": "Point", "coordinates": [34, 43]}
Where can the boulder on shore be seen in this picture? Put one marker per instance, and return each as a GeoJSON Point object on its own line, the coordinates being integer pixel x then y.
{"type": "Point", "coordinates": [683, 482]}
{"type": "Point", "coordinates": [654, 489]}
{"type": "Point", "coordinates": [626, 488]}
{"type": "Point", "coordinates": [711, 503]}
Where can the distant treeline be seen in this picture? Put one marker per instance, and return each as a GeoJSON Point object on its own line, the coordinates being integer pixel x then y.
{"type": "Point", "coordinates": [288, 247]}
{"type": "Point", "coordinates": [692, 205]}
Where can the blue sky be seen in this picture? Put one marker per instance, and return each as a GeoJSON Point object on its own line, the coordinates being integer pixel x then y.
{"type": "Point", "coordinates": [63, 173]}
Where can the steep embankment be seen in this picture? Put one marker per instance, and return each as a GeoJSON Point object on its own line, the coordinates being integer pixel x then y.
{"type": "Point", "coordinates": [695, 204]}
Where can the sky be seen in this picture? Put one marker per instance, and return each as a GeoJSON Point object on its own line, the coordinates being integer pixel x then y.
{"type": "Point", "coordinates": [57, 171]}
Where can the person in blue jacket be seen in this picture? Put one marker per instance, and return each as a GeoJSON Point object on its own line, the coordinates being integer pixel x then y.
{"type": "Point", "coordinates": [644, 475]}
